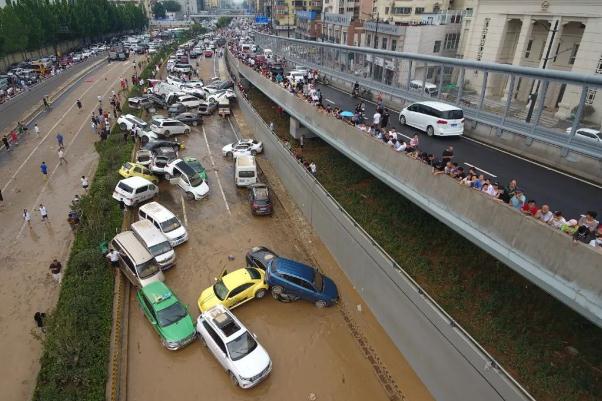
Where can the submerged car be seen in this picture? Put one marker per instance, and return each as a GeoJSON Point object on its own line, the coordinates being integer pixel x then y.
{"type": "Point", "coordinates": [243, 147]}
{"type": "Point", "coordinates": [190, 118]}
{"type": "Point", "coordinates": [134, 169]}
{"type": "Point", "coordinates": [234, 289]}
{"type": "Point", "coordinates": [168, 316]}
{"type": "Point", "coordinates": [260, 257]}
{"type": "Point", "coordinates": [196, 166]}
{"type": "Point", "coordinates": [291, 280]}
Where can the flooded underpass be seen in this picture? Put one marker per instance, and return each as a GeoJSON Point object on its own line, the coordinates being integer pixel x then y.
{"type": "Point", "coordinates": [336, 353]}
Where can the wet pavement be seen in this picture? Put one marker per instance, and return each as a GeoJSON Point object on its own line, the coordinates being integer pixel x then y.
{"type": "Point", "coordinates": [25, 283]}
{"type": "Point", "coordinates": [337, 353]}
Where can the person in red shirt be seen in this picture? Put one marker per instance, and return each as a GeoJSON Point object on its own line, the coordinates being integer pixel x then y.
{"type": "Point", "coordinates": [530, 208]}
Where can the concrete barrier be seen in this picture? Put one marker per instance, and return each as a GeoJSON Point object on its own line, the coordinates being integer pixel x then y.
{"type": "Point", "coordinates": [571, 272]}
{"type": "Point", "coordinates": [450, 363]}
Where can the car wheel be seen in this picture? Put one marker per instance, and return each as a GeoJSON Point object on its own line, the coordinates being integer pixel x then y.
{"type": "Point", "coordinates": [233, 379]}
{"type": "Point", "coordinates": [260, 294]}
{"type": "Point", "coordinates": [123, 127]}
{"type": "Point", "coordinates": [186, 131]}
{"type": "Point", "coordinates": [402, 120]}
{"type": "Point", "coordinates": [253, 153]}
{"type": "Point", "coordinates": [166, 132]}
{"type": "Point", "coordinates": [320, 304]}
{"type": "Point", "coordinates": [190, 195]}
{"type": "Point", "coordinates": [430, 131]}
{"type": "Point", "coordinates": [228, 154]}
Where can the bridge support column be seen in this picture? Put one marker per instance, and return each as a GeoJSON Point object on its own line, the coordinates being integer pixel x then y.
{"type": "Point", "coordinates": [296, 130]}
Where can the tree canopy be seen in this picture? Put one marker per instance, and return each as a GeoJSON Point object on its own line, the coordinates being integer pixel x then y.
{"type": "Point", "coordinates": [159, 10]}
{"type": "Point", "coordinates": [172, 6]}
{"type": "Point", "coordinates": [223, 22]}
{"type": "Point", "coordinates": [32, 24]}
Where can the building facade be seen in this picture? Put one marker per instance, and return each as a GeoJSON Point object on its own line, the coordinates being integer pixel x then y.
{"type": "Point", "coordinates": [550, 34]}
{"type": "Point", "coordinates": [407, 11]}
{"type": "Point", "coordinates": [308, 25]}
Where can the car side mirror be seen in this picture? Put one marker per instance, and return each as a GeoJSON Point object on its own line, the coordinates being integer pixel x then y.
{"type": "Point", "coordinates": [255, 336]}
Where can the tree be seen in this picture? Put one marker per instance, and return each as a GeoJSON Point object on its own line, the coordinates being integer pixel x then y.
{"type": "Point", "coordinates": [159, 10]}
{"type": "Point", "coordinates": [223, 22]}
{"type": "Point", "coordinates": [172, 6]}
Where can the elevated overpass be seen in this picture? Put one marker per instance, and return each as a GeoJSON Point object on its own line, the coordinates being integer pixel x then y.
{"type": "Point", "coordinates": [571, 272]}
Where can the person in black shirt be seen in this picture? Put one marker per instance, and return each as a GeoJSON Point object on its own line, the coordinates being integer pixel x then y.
{"type": "Point", "coordinates": [448, 154]}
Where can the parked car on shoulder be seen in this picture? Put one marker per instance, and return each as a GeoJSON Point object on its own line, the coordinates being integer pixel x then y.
{"type": "Point", "coordinates": [291, 280]}
{"type": "Point", "coordinates": [434, 118]}
{"type": "Point", "coordinates": [234, 346]}
{"type": "Point", "coordinates": [260, 199]}
{"type": "Point", "coordinates": [243, 147]}
{"type": "Point", "coordinates": [167, 315]}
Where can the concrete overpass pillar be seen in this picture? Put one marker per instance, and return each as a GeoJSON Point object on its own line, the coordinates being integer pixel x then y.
{"type": "Point", "coordinates": [296, 130]}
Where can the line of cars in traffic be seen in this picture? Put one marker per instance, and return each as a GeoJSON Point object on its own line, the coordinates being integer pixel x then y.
{"type": "Point", "coordinates": [145, 251]}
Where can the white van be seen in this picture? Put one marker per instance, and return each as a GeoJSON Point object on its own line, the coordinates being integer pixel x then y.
{"type": "Point", "coordinates": [245, 171]}
{"type": "Point", "coordinates": [434, 118]}
{"type": "Point", "coordinates": [179, 173]}
{"type": "Point", "coordinates": [165, 221]}
{"type": "Point", "coordinates": [155, 242]}
{"type": "Point", "coordinates": [135, 260]}
{"type": "Point", "coordinates": [246, 47]}
{"type": "Point", "coordinates": [429, 88]}
{"type": "Point", "coordinates": [268, 53]}
{"type": "Point", "coordinates": [134, 190]}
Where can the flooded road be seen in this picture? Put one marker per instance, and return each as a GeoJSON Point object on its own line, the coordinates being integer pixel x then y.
{"type": "Point", "coordinates": [337, 353]}
{"type": "Point", "coordinates": [25, 283]}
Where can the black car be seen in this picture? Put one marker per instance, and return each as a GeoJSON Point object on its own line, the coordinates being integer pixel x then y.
{"type": "Point", "coordinates": [221, 85]}
{"type": "Point", "coordinates": [176, 108]}
{"type": "Point", "coordinates": [260, 199]}
{"type": "Point", "coordinates": [190, 118]}
{"type": "Point", "coordinates": [259, 257]}
{"type": "Point", "coordinates": [159, 144]}
{"type": "Point", "coordinates": [157, 100]}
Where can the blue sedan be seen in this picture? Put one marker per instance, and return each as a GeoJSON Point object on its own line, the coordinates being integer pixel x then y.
{"type": "Point", "coordinates": [292, 280]}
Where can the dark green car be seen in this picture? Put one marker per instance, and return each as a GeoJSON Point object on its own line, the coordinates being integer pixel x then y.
{"type": "Point", "coordinates": [197, 167]}
{"type": "Point", "coordinates": [168, 316]}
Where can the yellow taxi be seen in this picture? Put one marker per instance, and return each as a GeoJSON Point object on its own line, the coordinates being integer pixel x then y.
{"type": "Point", "coordinates": [134, 169]}
{"type": "Point", "coordinates": [234, 289]}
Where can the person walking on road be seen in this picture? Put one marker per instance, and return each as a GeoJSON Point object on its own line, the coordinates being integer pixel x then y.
{"type": "Point", "coordinates": [27, 217]}
{"type": "Point", "coordinates": [62, 155]}
{"type": "Point", "coordinates": [40, 318]}
{"type": "Point", "coordinates": [6, 143]}
{"type": "Point", "coordinates": [36, 129]}
{"type": "Point", "coordinates": [79, 104]}
{"type": "Point", "coordinates": [46, 105]}
{"type": "Point", "coordinates": [55, 270]}
{"type": "Point", "coordinates": [43, 212]}
{"type": "Point", "coordinates": [44, 169]}
{"type": "Point", "coordinates": [84, 181]}
{"type": "Point", "coordinates": [59, 139]}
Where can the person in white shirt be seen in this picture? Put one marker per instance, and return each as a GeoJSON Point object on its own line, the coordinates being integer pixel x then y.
{"type": "Point", "coordinates": [401, 146]}
{"type": "Point", "coordinates": [313, 168]}
{"type": "Point", "coordinates": [113, 257]}
{"type": "Point", "coordinates": [376, 119]}
{"type": "Point", "coordinates": [557, 220]}
{"type": "Point", "coordinates": [36, 129]}
{"type": "Point", "coordinates": [544, 214]}
{"type": "Point", "coordinates": [43, 212]}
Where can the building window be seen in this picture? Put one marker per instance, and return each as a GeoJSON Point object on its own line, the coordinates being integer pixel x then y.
{"type": "Point", "coordinates": [591, 96]}
{"type": "Point", "coordinates": [419, 10]}
{"type": "Point", "coordinates": [384, 44]}
{"type": "Point", "coordinates": [483, 38]}
{"type": "Point", "coordinates": [437, 46]}
{"type": "Point", "coordinates": [599, 67]}
{"type": "Point", "coordinates": [557, 51]}
{"type": "Point", "coordinates": [451, 41]}
{"type": "Point", "coordinates": [402, 10]}
{"type": "Point", "coordinates": [368, 39]}
{"type": "Point", "coordinates": [529, 46]}
{"type": "Point", "coordinates": [393, 44]}
{"type": "Point", "coordinates": [574, 54]}
{"type": "Point", "coordinates": [469, 12]}
{"type": "Point", "coordinates": [386, 10]}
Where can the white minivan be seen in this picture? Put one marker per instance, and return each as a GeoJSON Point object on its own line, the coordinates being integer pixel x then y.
{"type": "Point", "coordinates": [178, 172]}
{"type": "Point", "coordinates": [134, 190]}
{"type": "Point", "coordinates": [165, 221]}
{"type": "Point", "coordinates": [155, 242]}
{"type": "Point", "coordinates": [434, 118]}
{"type": "Point", "coordinates": [245, 171]}
{"type": "Point", "coordinates": [135, 260]}
{"type": "Point", "coordinates": [429, 88]}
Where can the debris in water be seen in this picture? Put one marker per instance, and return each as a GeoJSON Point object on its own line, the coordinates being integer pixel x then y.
{"type": "Point", "coordinates": [359, 307]}
{"type": "Point", "coordinates": [230, 257]}
{"type": "Point", "coordinates": [312, 397]}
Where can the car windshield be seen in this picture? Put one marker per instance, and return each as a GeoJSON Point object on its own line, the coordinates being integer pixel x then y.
{"type": "Point", "coordinates": [143, 157]}
{"type": "Point", "coordinates": [318, 280]}
{"type": "Point", "coordinates": [261, 194]}
{"type": "Point", "coordinates": [196, 166]}
{"type": "Point", "coordinates": [241, 346]}
{"type": "Point", "coordinates": [171, 314]}
{"type": "Point", "coordinates": [160, 249]}
{"type": "Point", "coordinates": [220, 290]}
{"type": "Point", "coordinates": [195, 180]}
{"type": "Point", "coordinates": [147, 269]}
{"type": "Point", "coordinates": [170, 225]}
{"type": "Point", "coordinates": [127, 166]}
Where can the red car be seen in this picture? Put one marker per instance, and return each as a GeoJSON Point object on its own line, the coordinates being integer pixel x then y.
{"type": "Point", "coordinates": [260, 199]}
{"type": "Point", "coordinates": [208, 53]}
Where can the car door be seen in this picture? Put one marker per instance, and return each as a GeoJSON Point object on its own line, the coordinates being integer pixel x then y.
{"type": "Point", "coordinates": [149, 312]}
{"type": "Point", "coordinates": [422, 117]}
{"type": "Point", "coordinates": [410, 115]}
{"type": "Point", "coordinates": [238, 295]}
{"type": "Point", "coordinates": [216, 346]}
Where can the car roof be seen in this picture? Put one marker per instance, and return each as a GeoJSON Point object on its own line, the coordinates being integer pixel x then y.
{"type": "Point", "coordinates": [136, 181]}
{"type": "Point", "coordinates": [159, 295]}
{"type": "Point", "coordinates": [227, 324]}
{"type": "Point", "coordinates": [231, 279]}
{"type": "Point", "coordinates": [288, 266]}
{"type": "Point", "coordinates": [589, 130]}
{"type": "Point", "coordinates": [439, 105]}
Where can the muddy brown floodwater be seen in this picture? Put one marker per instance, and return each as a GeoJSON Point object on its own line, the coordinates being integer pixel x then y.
{"type": "Point", "coordinates": [337, 353]}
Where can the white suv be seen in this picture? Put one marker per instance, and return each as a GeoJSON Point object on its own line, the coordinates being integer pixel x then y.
{"type": "Point", "coordinates": [434, 118]}
{"type": "Point", "coordinates": [126, 122]}
{"type": "Point", "coordinates": [178, 172]}
{"type": "Point", "coordinates": [235, 348]}
{"type": "Point", "coordinates": [168, 127]}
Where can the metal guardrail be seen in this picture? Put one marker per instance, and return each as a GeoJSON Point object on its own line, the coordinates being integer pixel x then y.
{"type": "Point", "coordinates": [336, 60]}
{"type": "Point", "coordinates": [458, 329]}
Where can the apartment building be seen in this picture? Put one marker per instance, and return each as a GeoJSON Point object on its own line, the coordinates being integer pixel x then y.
{"type": "Point", "coordinates": [407, 11]}
{"type": "Point", "coordinates": [342, 20]}
{"type": "Point", "coordinates": [550, 34]}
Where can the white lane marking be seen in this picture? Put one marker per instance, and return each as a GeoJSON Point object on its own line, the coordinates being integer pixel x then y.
{"type": "Point", "coordinates": [184, 209]}
{"type": "Point", "coordinates": [219, 182]}
{"type": "Point", "coordinates": [233, 130]}
{"type": "Point", "coordinates": [214, 67]}
{"type": "Point", "coordinates": [480, 169]}
{"type": "Point", "coordinates": [404, 135]}
{"type": "Point", "coordinates": [12, 178]}
{"type": "Point", "coordinates": [330, 101]}
{"type": "Point", "coordinates": [501, 150]}
{"type": "Point", "coordinates": [37, 201]}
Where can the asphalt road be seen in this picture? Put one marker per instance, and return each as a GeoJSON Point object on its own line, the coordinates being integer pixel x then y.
{"type": "Point", "coordinates": [561, 191]}
{"type": "Point", "coordinates": [11, 110]}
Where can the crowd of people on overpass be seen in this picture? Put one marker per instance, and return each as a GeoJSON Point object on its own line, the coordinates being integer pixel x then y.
{"type": "Point", "coordinates": [586, 228]}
